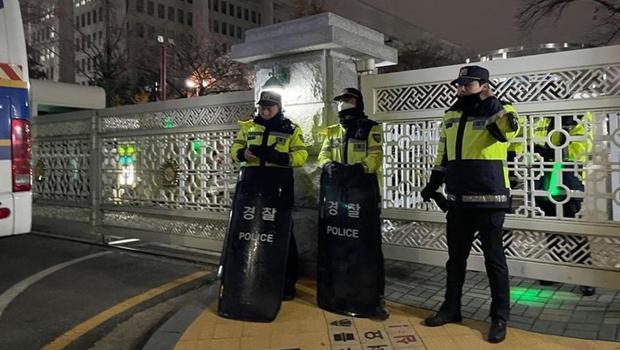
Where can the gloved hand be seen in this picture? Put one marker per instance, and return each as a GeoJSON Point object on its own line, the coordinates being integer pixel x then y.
{"type": "Point", "coordinates": [353, 170]}
{"type": "Point", "coordinates": [333, 169]}
{"type": "Point", "coordinates": [276, 157]}
{"type": "Point", "coordinates": [432, 186]}
{"type": "Point", "coordinates": [258, 151]}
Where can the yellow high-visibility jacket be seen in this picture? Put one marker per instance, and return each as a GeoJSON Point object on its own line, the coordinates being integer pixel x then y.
{"type": "Point", "coordinates": [472, 154]}
{"type": "Point", "coordinates": [365, 146]}
{"type": "Point", "coordinates": [286, 135]}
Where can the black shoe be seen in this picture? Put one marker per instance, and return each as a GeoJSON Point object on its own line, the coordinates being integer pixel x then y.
{"type": "Point", "coordinates": [497, 331]}
{"type": "Point", "coordinates": [546, 283]}
{"type": "Point", "coordinates": [440, 319]}
{"type": "Point", "coordinates": [381, 312]}
{"type": "Point", "coordinates": [587, 291]}
{"type": "Point", "coordinates": [289, 295]}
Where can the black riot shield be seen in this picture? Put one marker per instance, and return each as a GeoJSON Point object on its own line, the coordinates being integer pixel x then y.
{"type": "Point", "coordinates": [253, 263]}
{"type": "Point", "coordinates": [350, 261]}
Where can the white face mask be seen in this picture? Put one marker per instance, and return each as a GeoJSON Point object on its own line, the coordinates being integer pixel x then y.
{"type": "Point", "coordinates": [342, 105]}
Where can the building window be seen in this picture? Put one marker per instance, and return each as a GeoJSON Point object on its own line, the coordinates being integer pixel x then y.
{"type": "Point", "coordinates": [231, 10]}
{"type": "Point", "coordinates": [210, 25]}
{"type": "Point", "coordinates": [224, 7]}
{"type": "Point", "coordinates": [83, 20]}
{"type": "Point", "coordinates": [231, 30]}
{"type": "Point", "coordinates": [140, 5]}
{"type": "Point", "coordinates": [246, 14]}
{"type": "Point", "coordinates": [100, 14]}
{"type": "Point", "coordinates": [260, 19]}
{"type": "Point", "coordinates": [171, 13]}
{"type": "Point", "coordinates": [77, 22]}
{"type": "Point", "coordinates": [94, 16]}
{"type": "Point", "coordinates": [161, 11]}
{"type": "Point", "coordinates": [239, 12]}
{"type": "Point", "coordinates": [150, 8]}
{"type": "Point", "coordinates": [216, 26]}
{"type": "Point", "coordinates": [215, 5]}
{"type": "Point", "coordinates": [88, 19]}
{"type": "Point", "coordinates": [209, 4]}
{"type": "Point", "coordinates": [239, 32]}
{"type": "Point", "coordinates": [224, 28]}
{"type": "Point", "coordinates": [140, 30]}
{"type": "Point", "coordinates": [253, 16]}
{"type": "Point", "coordinates": [77, 43]}
{"type": "Point", "coordinates": [100, 37]}
{"type": "Point", "coordinates": [181, 16]}
{"type": "Point", "coordinates": [190, 19]}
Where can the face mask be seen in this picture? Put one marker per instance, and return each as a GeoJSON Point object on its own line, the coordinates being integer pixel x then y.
{"type": "Point", "coordinates": [344, 106]}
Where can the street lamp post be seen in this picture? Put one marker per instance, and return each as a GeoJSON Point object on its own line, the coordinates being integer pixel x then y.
{"type": "Point", "coordinates": [162, 64]}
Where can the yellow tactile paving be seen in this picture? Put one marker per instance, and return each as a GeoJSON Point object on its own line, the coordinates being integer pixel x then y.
{"type": "Point", "coordinates": [302, 325]}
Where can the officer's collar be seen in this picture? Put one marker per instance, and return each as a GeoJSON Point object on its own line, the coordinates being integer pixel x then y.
{"type": "Point", "coordinates": [276, 120]}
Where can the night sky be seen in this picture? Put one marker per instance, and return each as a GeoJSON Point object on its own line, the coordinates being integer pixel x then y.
{"type": "Point", "coordinates": [489, 24]}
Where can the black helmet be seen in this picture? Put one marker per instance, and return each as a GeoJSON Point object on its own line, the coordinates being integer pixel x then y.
{"type": "Point", "coordinates": [351, 92]}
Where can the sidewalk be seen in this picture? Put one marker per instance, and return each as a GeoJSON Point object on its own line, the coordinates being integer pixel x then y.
{"type": "Point", "coordinates": [302, 325]}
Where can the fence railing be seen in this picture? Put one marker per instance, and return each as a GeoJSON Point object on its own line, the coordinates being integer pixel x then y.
{"type": "Point", "coordinates": [564, 230]}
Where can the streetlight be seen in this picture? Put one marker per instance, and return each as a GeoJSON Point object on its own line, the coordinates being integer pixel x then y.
{"type": "Point", "coordinates": [162, 63]}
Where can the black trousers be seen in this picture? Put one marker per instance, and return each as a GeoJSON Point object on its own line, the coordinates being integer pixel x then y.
{"type": "Point", "coordinates": [463, 223]}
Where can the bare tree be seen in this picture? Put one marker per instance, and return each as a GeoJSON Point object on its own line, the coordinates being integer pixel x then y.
{"type": "Point", "coordinates": [304, 8]}
{"type": "Point", "coordinates": [208, 65]}
{"type": "Point", "coordinates": [424, 54]}
{"type": "Point", "coordinates": [606, 13]}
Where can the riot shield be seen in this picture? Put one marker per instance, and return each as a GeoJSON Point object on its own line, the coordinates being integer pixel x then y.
{"type": "Point", "coordinates": [350, 261]}
{"type": "Point", "coordinates": [253, 264]}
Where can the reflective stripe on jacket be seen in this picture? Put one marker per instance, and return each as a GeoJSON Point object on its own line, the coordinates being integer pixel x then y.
{"type": "Point", "coordinates": [472, 151]}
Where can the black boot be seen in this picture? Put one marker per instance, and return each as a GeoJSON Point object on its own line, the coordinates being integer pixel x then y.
{"type": "Point", "coordinates": [587, 291]}
{"type": "Point", "coordinates": [381, 312]}
{"type": "Point", "coordinates": [289, 294]}
{"type": "Point", "coordinates": [439, 319]}
{"type": "Point", "coordinates": [497, 331]}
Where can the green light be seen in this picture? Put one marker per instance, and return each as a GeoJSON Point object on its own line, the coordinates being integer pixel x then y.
{"type": "Point", "coordinates": [196, 145]}
{"type": "Point", "coordinates": [554, 189]}
{"type": "Point", "coordinates": [539, 296]}
{"type": "Point", "coordinates": [168, 123]}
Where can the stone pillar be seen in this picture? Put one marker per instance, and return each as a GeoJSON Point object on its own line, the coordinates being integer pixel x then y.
{"type": "Point", "coordinates": [313, 58]}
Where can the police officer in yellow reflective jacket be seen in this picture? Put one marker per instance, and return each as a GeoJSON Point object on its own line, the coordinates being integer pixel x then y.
{"type": "Point", "coordinates": [270, 145]}
{"type": "Point", "coordinates": [352, 153]}
{"type": "Point", "coordinates": [574, 149]}
{"type": "Point", "coordinates": [471, 159]}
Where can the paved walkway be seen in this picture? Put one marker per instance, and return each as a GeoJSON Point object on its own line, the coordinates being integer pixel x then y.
{"type": "Point", "coordinates": [559, 309]}
{"type": "Point", "coordinates": [302, 325]}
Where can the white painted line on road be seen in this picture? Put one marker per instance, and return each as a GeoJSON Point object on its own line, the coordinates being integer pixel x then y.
{"type": "Point", "coordinates": [128, 240]}
{"type": "Point", "coordinates": [7, 297]}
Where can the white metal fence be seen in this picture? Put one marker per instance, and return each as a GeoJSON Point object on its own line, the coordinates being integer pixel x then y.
{"type": "Point", "coordinates": [584, 248]}
{"type": "Point", "coordinates": [162, 170]}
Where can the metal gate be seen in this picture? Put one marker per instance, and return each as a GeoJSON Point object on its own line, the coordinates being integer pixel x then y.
{"type": "Point", "coordinates": [583, 249]}
{"type": "Point", "coordinates": [159, 171]}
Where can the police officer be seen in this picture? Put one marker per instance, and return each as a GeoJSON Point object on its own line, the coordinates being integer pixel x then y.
{"type": "Point", "coordinates": [574, 150]}
{"type": "Point", "coordinates": [352, 153]}
{"type": "Point", "coordinates": [471, 159]}
{"type": "Point", "coordinates": [269, 147]}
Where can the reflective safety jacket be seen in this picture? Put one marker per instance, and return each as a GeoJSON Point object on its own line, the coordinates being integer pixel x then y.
{"type": "Point", "coordinates": [363, 143]}
{"type": "Point", "coordinates": [472, 153]}
{"type": "Point", "coordinates": [286, 135]}
{"type": "Point", "coordinates": [580, 137]}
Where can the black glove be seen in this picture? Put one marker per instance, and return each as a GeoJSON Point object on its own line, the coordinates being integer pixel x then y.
{"type": "Point", "coordinates": [353, 170]}
{"type": "Point", "coordinates": [241, 154]}
{"type": "Point", "coordinates": [333, 169]}
{"type": "Point", "coordinates": [432, 185]}
{"type": "Point", "coordinates": [276, 157]}
{"type": "Point", "coordinates": [258, 151]}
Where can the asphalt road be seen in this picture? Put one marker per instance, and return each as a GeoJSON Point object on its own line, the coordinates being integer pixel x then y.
{"type": "Point", "coordinates": [56, 293]}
